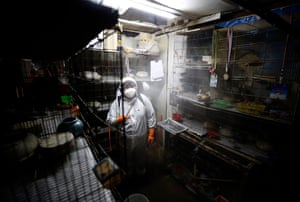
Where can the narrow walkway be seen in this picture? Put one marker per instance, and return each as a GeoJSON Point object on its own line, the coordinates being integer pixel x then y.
{"type": "Point", "coordinates": [159, 186]}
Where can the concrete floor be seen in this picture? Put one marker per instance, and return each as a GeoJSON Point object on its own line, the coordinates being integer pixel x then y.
{"type": "Point", "coordinates": [158, 186]}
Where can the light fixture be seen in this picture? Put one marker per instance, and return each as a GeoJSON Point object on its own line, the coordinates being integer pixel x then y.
{"type": "Point", "coordinates": [137, 23]}
{"type": "Point", "coordinates": [153, 8]}
{"type": "Point", "coordinates": [143, 5]}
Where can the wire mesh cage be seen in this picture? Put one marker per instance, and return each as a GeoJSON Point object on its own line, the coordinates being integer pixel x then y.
{"type": "Point", "coordinates": [42, 164]}
{"type": "Point", "coordinates": [45, 161]}
{"type": "Point", "coordinates": [96, 77]}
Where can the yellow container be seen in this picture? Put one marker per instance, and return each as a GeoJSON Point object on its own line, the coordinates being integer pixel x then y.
{"type": "Point", "coordinates": [250, 108]}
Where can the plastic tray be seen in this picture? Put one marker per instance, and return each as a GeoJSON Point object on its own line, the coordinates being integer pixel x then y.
{"type": "Point", "coordinates": [172, 126]}
{"type": "Point", "coordinates": [107, 172]}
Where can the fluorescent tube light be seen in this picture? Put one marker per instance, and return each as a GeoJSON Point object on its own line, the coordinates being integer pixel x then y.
{"type": "Point", "coordinates": [141, 24]}
{"type": "Point", "coordinates": [143, 5]}
{"type": "Point", "coordinates": [153, 8]}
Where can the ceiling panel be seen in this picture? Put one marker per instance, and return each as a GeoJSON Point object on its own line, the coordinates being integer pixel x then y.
{"type": "Point", "coordinates": [188, 9]}
{"type": "Point", "coordinates": [56, 28]}
{"type": "Point", "coordinates": [200, 8]}
{"type": "Point", "coordinates": [197, 9]}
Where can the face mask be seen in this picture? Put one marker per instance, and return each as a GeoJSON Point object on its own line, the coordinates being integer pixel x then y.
{"type": "Point", "coordinates": [130, 92]}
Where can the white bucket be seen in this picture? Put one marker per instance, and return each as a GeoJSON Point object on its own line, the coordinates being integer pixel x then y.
{"type": "Point", "coordinates": [137, 197]}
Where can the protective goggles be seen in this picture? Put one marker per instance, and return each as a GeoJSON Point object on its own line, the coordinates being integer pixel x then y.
{"type": "Point", "coordinates": [129, 85]}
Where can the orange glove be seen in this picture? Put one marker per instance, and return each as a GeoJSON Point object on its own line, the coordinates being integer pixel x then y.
{"type": "Point", "coordinates": [121, 117]}
{"type": "Point", "coordinates": [151, 135]}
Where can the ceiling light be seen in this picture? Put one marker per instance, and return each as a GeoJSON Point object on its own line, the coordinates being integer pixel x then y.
{"type": "Point", "coordinates": [153, 8]}
{"type": "Point", "coordinates": [136, 23]}
{"type": "Point", "coordinates": [143, 5]}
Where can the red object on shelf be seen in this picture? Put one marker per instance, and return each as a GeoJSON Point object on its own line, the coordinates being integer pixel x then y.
{"type": "Point", "coordinates": [176, 117]}
{"type": "Point", "coordinates": [212, 134]}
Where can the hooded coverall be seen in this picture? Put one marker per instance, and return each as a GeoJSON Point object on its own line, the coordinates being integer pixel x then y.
{"type": "Point", "coordinates": [141, 115]}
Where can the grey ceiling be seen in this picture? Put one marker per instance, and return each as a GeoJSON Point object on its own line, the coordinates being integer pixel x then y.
{"type": "Point", "coordinates": [197, 9]}
{"type": "Point", "coordinates": [59, 28]}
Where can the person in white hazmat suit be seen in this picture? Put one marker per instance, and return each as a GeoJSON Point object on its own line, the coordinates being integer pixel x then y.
{"type": "Point", "coordinates": [139, 121]}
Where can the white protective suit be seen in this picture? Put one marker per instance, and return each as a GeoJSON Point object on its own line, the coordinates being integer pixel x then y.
{"type": "Point", "coordinates": [141, 115]}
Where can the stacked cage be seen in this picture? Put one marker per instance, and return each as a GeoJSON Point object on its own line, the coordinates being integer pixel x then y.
{"type": "Point", "coordinates": [55, 143]}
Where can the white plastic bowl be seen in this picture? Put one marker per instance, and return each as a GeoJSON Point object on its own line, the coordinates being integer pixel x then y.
{"type": "Point", "coordinates": [137, 197]}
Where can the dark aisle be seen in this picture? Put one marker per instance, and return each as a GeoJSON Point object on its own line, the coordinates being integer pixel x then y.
{"type": "Point", "coordinates": [159, 189]}
{"type": "Point", "coordinates": [158, 186]}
